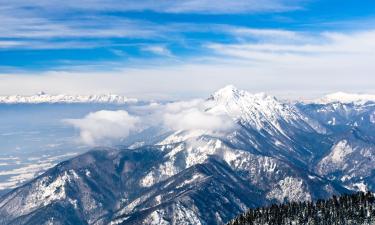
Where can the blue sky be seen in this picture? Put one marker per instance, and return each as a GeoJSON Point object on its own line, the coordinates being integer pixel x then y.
{"type": "Point", "coordinates": [173, 49]}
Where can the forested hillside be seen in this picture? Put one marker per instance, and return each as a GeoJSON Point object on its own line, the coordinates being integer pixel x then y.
{"type": "Point", "coordinates": [355, 209]}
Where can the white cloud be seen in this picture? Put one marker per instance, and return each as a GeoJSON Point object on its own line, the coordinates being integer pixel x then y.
{"type": "Point", "coordinates": [158, 50]}
{"type": "Point", "coordinates": [228, 6]}
{"type": "Point", "coordinates": [264, 35]}
{"type": "Point", "coordinates": [104, 127]}
{"type": "Point", "coordinates": [178, 106]}
{"type": "Point", "coordinates": [191, 115]}
{"type": "Point", "coordinates": [109, 127]}
{"type": "Point", "coordinates": [169, 6]}
{"type": "Point", "coordinates": [195, 119]}
{"type": "Point", "coordinates": [328, 62]}
{"type": "Point", "coordinates": [10, 44]}
{"type": "Point", "coordinates": [45, 25]}
{"type": "Point", "coordinates": [37, 27]}
{"type": "Point", "coordinates": [326, 43]}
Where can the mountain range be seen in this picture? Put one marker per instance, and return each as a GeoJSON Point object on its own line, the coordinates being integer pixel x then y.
{"type": "Point", "coordinates": [43, 97]}
{"type": "Point", "coordinates": [265, 151]}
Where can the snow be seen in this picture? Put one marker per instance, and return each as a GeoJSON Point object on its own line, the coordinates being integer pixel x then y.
{"type": "Point", "coordinates": [346, 98]}
{"type": "Point", "coordinates": [48, 191]}
{"type": "Point", "coordinates": [257, 111]}
{"type": "Point", "coordinates": [181, 215]}
{"type": "Point", "coordinates": [156, 218]}
{"type": "Point", "coordinates": [346, 178]}
{"type": "Point", "coordinates": [185, 148]}
{"type": "Point", "coordinates": [46, 98]}
{"type": "Point", "coordinates": [20, 175]}
{"type": "Point", "coordinates": [185, 216]}
{"type": "Point", "coordinates": [148, 180]}
{"type": "Point", "coordinates": [87, 173]}
{"type": "Point", "coordinates": [260, 111]}
{"type": "Point", "coordinates": [312, 177]}
{"type": "Point", "coordinates": [341, 150]}
{"type": "Point", "coordinates": [361, 186]}
{"type": "Point", "coordinates": [134, 203]}
{"type": "Point", "coordinates": [349, 161]}
{"type": "Point", "coordinates": [195, 151]}
{"type": "Point", "coordinates": [332, 122]}
{"type": "Point", "coordinates": [195, 178]}
{"type": "Point", "coordinates": [337, 158]}
{"type": "Point", "coordinates": [290, 188]}
{"type": "Point", "coordinates": [158, 199]}
{"type": "Point", "coordinates": [372, 118]}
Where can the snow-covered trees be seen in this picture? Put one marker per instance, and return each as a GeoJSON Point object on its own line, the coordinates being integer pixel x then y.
{"type": "Point", "coordinates": [354, 209]}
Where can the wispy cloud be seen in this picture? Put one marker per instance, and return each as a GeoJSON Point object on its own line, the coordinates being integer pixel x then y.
{"type": "Point", "coordinates": [37, 27]}
{"type": "Point", "coordinates": [204, 50]}
{"type": "Point", "coordinates": [93, 23]}
{"type": "Point", "coordinates": [157, 50]}
{"type": "Point", "coordinates": [10, 44]}
{"type": "Point", "coordinates": [321, 63]}
{"type": "Point", "coordinates": [169, 6]}
{"type": "Point", "coordinates": [266, 35]}
{"type": "Point", "coordinates": [357, 44]}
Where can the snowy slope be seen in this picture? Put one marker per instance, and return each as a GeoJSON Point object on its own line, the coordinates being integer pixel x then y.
{"type": "Point", "coordinates": [352, 161]}
{"type": "Point", "coordinates": [260, 111]}
{"type": "Point", "coordinates": [264, 125]}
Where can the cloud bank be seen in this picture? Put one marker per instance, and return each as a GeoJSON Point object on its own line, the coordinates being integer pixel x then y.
{"type": "Point", "coordinates": [108, 127]}
{"type": "Point", "coordinates": [195, 119]}
{"type": "Point", "coordinates": [104, 127]}
{"type": "Point", "coordinates": [193, 115]}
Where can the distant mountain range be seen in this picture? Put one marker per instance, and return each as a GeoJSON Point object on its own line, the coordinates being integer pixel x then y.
{"type": "Point", "coordinates": [273, 152]}
{"type": "Point", "coordinates": [42, 97]}
{"type": "Point", "coordinates": [346, 98]}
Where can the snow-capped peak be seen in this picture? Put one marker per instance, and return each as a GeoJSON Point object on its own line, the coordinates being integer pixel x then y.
{"type": "Point", "coordinates": [258, 110]}
{"type": "Point", "coordinates": [227, 92]}
{"type": "Point", "coordinates": [344, 97]}
{"type": "Point", "coordinates": [42, 97]}
{"type": "Point", "coordinates": [230, 93]}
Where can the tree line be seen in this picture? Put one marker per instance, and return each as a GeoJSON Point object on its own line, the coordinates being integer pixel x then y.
{"type": "Point", "coordinates": [348, 209]}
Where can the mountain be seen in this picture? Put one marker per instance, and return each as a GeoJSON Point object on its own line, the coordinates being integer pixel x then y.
{"type": "Point", "coordinates": [346, 98]}
{"type": "Point", "coordinates": [272, 152]}
{"type": "Point", "coordinates": [99, 186]}
{"type": "Point", "coordinates": [351, 131]}
{"type": "Point", "coordinates": [42, 97]}
{"type": "Point", "coordinates": [355, 209]}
